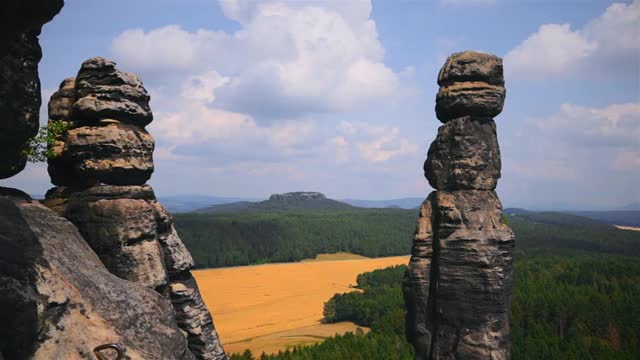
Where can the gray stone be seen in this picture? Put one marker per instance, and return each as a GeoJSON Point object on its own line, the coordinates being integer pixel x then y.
{"type": "Point", "coordinates": [416, 283]}
{"type": "Point", "coordinates": [465, 155]}
{"type": "Point", "coordinates": [471, 66]}
{"type": "Point", "coordinates": [471, 84]}
{"type": "Point", "coordinates": [459, 282]}
{"type": "Point", "coordinates": [61, 102]}
{"type": "Point", "coordinates": [60, 302]}
{"type": "Point", "coordinates": [194, 318]}
{"type": "Point", "coordinates": [20, 53]}
{"type": "Point", "coordinates": [122, 231]}
{"type": "Point", "coordinates": [116, 154]}
{"type": "Point", "coordinates": [466, 315]}
{"type": "Point", "coordinates": [105, 92]}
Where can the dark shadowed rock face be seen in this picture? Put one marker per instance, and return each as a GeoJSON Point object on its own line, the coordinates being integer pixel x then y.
{"type": "Point", "coordinates": [459, 282]}
{"type": "Point", "coordinates": [59, 301]}
{"type": "Point", "coordinates": [20, 24]}
{"type": "Point", "coordinates": [194, 318]}
{"type": "Point", "coordinates": [471, 84]}
{"type": "Point", "coordinates": [19, 101]}
{"type": "Point", "coordinates": [464, 155]}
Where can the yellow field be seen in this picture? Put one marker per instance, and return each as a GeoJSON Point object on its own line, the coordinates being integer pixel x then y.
{"type": "Point", "coordinates": [275, 306]}
{"type": "Point", "coordinates": [628, 228]}
{"type": "Point", "coordinates": [336, 256]}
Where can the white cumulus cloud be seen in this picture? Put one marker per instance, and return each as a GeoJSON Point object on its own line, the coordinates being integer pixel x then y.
{"type": "Point", "coordinates": [317, 57]}
{"type": "Point", "coordinates": [609, 42]}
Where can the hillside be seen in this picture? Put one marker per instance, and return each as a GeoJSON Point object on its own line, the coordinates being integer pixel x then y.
{"type": "Point", "coordinates": [261, 236]}
{"type": "Point", "coordinates": [281, 202]}
{"type": "Point", "coordinates": [620, 217]}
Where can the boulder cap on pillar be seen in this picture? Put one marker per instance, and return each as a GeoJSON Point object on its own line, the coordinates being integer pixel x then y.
{"type": "Point", "coordinates": [104, 92]}
{"type": "Point", "coordinates": [471, 84]}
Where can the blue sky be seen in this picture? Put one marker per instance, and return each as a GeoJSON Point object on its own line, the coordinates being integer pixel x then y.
{"type": "Point", "coordinates": [254, 98]}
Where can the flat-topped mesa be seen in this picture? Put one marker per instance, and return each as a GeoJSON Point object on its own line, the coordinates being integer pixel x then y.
{"type": "Point", "coordinates": [299, 195]}
{"type": "Point", "coordinates": [104, 111]}
{"type": "Point", "coordinates": [471, 84]}
{"type": "Point", "coordinates": [459, 281]}
{"type": "Point", "coordinates": [104, 157]}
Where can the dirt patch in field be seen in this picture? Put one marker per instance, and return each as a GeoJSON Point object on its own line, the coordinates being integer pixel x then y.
{"type": "Point", "coordinates": [275, 306]}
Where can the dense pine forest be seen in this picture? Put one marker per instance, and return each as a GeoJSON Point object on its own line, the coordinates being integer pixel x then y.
{"type": "Point", "coordinates": [577, 279]}
{"type": "Point", "coordinates": [253, 237]}
{"type": "Point", "coordinates": [578, 306]}
{"type": "Point", "coordinates": [242, 238]}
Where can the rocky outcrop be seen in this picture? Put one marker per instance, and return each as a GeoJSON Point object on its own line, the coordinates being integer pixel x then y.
{"type": "Point", "coordinates": [60, 302]}
{"type": "Point", "coordinates": [459, 281]}
{"type": "Point", "coordinates": [20, 53]}
{"type": "Point", "coordinates": [471, 84]}
{"type": "Point", "coordinates": [465, 155]}
{"type": "Point", "coordinates": [104, 158]}
{"type": "Point", "coordinates": [105, 111]}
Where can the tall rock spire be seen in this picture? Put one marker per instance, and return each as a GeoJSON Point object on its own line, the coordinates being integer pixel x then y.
{"type": "Point", "coordinates": [103, 160]}
{"type": "Point", "coordinates": [458, 286]}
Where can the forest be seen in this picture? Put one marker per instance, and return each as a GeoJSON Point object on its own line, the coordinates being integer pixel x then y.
{"type": "Point", "coordinates": [242, 238]}
{"type": "Point", "coordinates": [573, 306]}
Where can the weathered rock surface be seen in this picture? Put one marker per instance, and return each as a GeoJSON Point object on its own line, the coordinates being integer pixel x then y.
{"type": "Point", "coordinates": [194, 318]}
{"type": "Point", "coordinates": [134, 236]}
{"type": "Point", "coordinates": [471, 84]}
{"type": "Point", "coordinates": [61, 101]}
{"type": "Point", "coordinates": [459, 282]}
{"type": "Point", "coordinates": [59, 302]}
{"type": "Point", "coordinates": [116, 154]}
{"type": "Point", "coordinates": [475, 277]}
{"type": "Point", "coordinates": [123, 232]}
{"type": "Point", "coordinates": [104, 92]}
{"type": "Point", "coordinates": [105, 111]}
{"type": "Point", "coordinates": [416, 284]}
{"type": "Point", "coordinates": [464, 155]}
{"type": "Point", "coordinates": [104, 159]}
{"type": "Point", "coordinates": [20, 24]}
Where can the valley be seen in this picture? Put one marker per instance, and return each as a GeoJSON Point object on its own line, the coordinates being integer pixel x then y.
{"type": "Point", "coordinates": [275, 306]}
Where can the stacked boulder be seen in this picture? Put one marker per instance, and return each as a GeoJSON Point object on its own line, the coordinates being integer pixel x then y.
{"type": "Point", "coordinates": [102, 161]}
{"type": "Point", "coordinates": [458, 286]}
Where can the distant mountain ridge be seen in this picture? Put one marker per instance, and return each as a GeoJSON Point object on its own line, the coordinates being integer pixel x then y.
{"type": "Point", "coordinates": [300, 200]}
{"type": "Point", "coordinates": [402, 203]}
{"type": "Point", "coordinates": [187, 203]}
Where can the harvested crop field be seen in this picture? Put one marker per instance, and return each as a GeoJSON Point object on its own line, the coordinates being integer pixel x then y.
{"type": "Point", "coordinates": [275, 306]}
{"type": "Point", "coordinates": [632, 228]}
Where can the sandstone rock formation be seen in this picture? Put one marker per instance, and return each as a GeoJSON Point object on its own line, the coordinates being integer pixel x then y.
{"type": "Point", "coordinates": [459, 282]}
{"type": "Point", "coordinates": [57, 298]}
{"type": "Point", "coordinates": [60, 302]}
{"type": "Point", "coordinates": [105, 111]}
{"type": "Point", "coordinates": [20, 24]}
{"type": "Point", "coordinates": [103, 160]}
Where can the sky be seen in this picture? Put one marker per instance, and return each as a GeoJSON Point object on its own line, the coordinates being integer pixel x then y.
{"type": "Point", "coordinates": [255, 98]}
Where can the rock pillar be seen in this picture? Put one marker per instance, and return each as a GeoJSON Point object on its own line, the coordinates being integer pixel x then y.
{"type": "Point", "coordinates": [458, 286]}
{"type": "Point", "coordinates": [102, 161]}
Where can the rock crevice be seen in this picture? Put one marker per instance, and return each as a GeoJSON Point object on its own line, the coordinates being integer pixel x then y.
{"type": "Point", "coordinates": [459, 281]}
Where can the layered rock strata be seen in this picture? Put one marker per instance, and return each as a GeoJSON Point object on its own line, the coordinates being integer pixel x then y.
{"type": "Point", "coordinates": [459, 282]}
{"type": "Point", "coordinates": [103, 159]}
